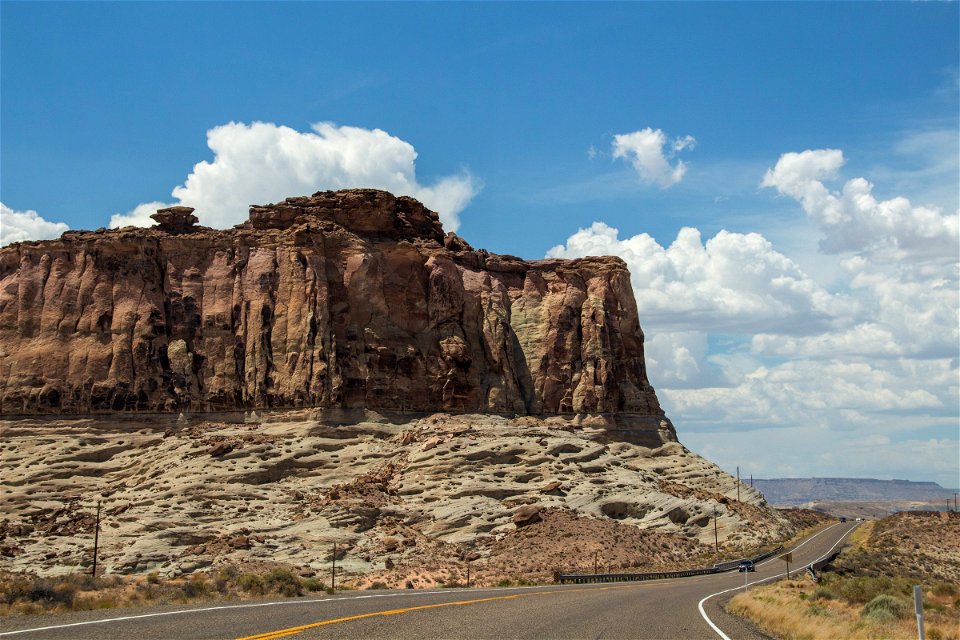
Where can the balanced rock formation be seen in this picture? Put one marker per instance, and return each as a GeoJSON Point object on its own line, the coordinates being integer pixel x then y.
{"type": "Point", "coordinates": [346, 299]}
{"type": "Point", "coordinates": [176, 219]}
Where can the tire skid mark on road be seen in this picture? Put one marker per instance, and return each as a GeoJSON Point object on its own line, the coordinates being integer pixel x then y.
{"type": "Point", "coordinates": [717, 629]}
{"type": "Point", "coordinates": [282, 633]}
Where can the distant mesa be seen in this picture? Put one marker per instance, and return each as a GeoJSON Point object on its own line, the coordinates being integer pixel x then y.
{"type": "Point", "coordinates": [797, 491]}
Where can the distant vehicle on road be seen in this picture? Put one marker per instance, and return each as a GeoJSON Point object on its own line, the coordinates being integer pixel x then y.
{"type": "Point", "coordinates": [746, 565]}
{"type": "Point", "coordinates": [842, 519]}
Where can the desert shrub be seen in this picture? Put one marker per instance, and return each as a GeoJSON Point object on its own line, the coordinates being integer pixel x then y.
{"type": "Point", "coordinates": [523, 582]}
{"type": "Point", "coordinates": [312, 584]}
{"type": "Point", "coordinates": [228, 572]}
{"type": "Point", "coordinates": [221, 585]}
{"type": "Point", "coordinates": [251, 583]}
{"type": "Point", "coordinates": [86, 582]}
{"type": "Point", "coordinates": [153, 577]}
{"type": "Point", "coordinates": [284, 582]}
{"type": "Point", "coordinates": [944, 589]}
{"type": "Point", "coordinates": [885, 608]}
{"type": "Point", "coordinates": [862, 589]}
{"type": "Point", "coordinates": [506, 582]}
{"type": "Point", "coordinates": [378, 585]}
{"type": "Point", "coordinates": [195, 587]}
{"type": "Point", "coordinates": [14, 588]}
{"type": "Point", "coordinates": [62, 593]}
{"type": "Point", "coordinates": [148, 590]}
{"type": "Point", "coordinates": [42, 591]}
{"type": "Point", "coordinates": [823, 593]}
{"type": "Point", "coordinates": [106, 582]}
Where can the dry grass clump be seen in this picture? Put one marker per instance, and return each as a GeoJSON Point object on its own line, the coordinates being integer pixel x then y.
{"type": "Point", "coordinates": [859, 608]}
{"type": "Point", "coordinates": [30, 594]}
{"type": "Point", "coordinates": [923, 545]}
{"type": "Point", "coordinates": [870, 593]}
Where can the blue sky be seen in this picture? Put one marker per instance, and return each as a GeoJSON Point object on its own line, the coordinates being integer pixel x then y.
{"type": "Point", "coordinates": [515, 112]}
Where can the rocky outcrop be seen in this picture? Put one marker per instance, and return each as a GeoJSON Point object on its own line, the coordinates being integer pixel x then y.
{"type": "Point", "coordinates": [284, 486]}
{"type": "Point", "coordinates": [342, 299]}
{"type": "Point", "coordinates": [176, 219]}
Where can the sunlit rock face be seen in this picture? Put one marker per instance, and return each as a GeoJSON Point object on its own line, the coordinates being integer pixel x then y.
{"type": "Point", "coordinates": [342, 300]}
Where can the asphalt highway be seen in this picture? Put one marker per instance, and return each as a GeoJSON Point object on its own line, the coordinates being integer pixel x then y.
{"type": "Point", "coordinates": [676, 608]}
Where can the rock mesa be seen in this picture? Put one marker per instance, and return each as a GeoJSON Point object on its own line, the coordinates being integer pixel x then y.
{"type": "Point", "coordinates": [339, 300]}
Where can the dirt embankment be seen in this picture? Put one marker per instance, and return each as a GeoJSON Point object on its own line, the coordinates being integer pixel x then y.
{"type": "Point", "coordinates": [867, 592]}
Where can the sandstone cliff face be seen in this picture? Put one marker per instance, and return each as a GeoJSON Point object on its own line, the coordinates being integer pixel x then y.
{"type": "Point", "coordinates": [341, 300]}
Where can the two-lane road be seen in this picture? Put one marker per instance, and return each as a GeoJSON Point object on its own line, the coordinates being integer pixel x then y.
{"type": "Point", "coordinates": [677, 608]}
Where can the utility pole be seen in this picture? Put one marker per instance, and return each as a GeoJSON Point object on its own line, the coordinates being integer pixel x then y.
{"type": "Point", "coordinates": [751, 481]}
{"type": "Point", "coordinates": [596, 557]}
{"type": "Point", "coordinates": [738, 483]}
{"type": "Point", "coordinates": [468, 574]}
{"type": "Point", "coordinates": [96, 541]}
{"type": "Point", "coordinates": [954, 501]}
{"type": "Point", "coordinates": [716, 536]}
{"type": "Point", "coordinates": [333, 569]}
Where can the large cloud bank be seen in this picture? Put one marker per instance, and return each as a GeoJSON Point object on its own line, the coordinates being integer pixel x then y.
{"type": "Point", "coordinates": [740, 338]}
{"type": "Point", "coordinates": [18, 226]}
{"type": "Point", "coordinates": [264, 162]}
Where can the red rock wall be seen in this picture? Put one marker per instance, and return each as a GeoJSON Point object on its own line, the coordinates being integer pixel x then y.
{"type": "Point", "coordinates": [346, 299]}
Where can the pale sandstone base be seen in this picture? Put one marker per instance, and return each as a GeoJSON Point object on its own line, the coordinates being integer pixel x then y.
{"type": "Point", "coordinates": [179, 495]}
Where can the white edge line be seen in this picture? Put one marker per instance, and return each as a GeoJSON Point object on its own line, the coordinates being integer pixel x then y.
{"type": "Point", "coordinates": [773, 577]}
{"type": "Point", "coordinates": [265, 604]}
{"type": "Point", "coordinates": [327, 600]}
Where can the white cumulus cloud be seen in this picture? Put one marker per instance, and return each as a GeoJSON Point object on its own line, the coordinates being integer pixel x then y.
{"type": "Point", "coordinates": [731, 282]}
{"type": "Point", "coordinates": [852, 219]}
{"type": "Point", "coordinates": [844, 370]}
{"type": "Point", "coordinates": [263, 162]}
{"type": "Point", "coordinates": [650, 153]}
{"type": "Point", "coordinates": [18, 226]}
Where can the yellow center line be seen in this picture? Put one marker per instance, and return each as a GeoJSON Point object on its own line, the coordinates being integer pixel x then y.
{"type": "Point", "coordinates": [280, 633]}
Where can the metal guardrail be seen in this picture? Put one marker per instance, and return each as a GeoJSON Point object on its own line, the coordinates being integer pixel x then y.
{"type": "Point", "coordinates": [726, 566]}
{"type": "Point", "coordinates": [587, 578]}
{"type": "Point", "coordinates": [764, 556]}
{"type": "Point", "coordinates": [817, 566]}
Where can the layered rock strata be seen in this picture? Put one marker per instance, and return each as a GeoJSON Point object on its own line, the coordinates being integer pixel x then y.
{"type": "Point", "coordinates": [285, 486]}
{"type": "Point", "coordinates": [342, 299]}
